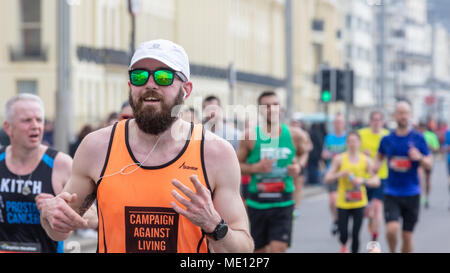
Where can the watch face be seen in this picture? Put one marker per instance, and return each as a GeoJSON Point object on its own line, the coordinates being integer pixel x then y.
{"type": "Point", "coordinates": [221, 231]}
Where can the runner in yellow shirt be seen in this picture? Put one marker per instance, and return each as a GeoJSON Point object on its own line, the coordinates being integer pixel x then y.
{"type": "Point", "coordinates": [351, 169]}
{"type": "Point", "coordinates": [370, 141]}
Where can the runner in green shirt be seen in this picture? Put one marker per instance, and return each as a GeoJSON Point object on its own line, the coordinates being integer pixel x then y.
{"type": "Point", "coordinates": [270, 154]}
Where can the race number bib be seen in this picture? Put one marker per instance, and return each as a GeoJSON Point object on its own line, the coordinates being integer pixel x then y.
{"type": "Point", "coordinates": [271, 187]}
{"type": "Point", "coordinates": [151, 230]}
{"type": "Point", "coordinates": [353, 195]}
{"type": "Point", "coordinates": [400, 164]}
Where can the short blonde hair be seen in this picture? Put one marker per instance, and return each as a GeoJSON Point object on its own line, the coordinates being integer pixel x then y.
{"type": "Point", "coordinates": [9, 111]}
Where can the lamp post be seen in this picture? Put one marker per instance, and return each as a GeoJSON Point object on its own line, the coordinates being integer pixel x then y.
{"type": "Point", "coordinates": [289, 56]}
{"type": "Point", "coordinates": [134, 7]}
{"type": "Point", "coordinates": [63, 124]}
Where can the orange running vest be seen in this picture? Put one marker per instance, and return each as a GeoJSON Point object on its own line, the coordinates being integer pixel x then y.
{"type": "Point", "coordinates": [134, 211]}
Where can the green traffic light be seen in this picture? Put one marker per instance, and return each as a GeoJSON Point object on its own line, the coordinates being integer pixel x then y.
{"type": "Point", "coordinates": [326, 96]}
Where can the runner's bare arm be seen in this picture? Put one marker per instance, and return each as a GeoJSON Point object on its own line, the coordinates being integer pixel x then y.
{"type": "Point", "coordinates": [374, 180]}
{"type": "Point", "coordinates": [333, 173]}
{"type": "Point", "coordinates": [245, 146]}
{"type": "Point", "coordinates": [378, 162]}
{"type": "Point", "coordinates": [62, 171]}
{"type": "Point", "coordinates": [225, 178]}
{"type": "Point", "coordinates": [63, 214]}
{"type": "Point", "coordinates": [307, 147]}
{"type": "Point", "coordinates": [303, 146]}
{"type": "Point", "coordinates": [425, 161]}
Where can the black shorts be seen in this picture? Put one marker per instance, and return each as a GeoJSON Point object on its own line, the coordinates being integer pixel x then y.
{"type": "Point", "coordinates": [406, 207]}
{"type": "Point", "coordinates": [268, 225]}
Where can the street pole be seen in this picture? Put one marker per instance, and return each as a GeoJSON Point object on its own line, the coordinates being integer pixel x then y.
{"type": "Point", "coordinates": [231, 83]}
{"type": "Point", "coordinates": [133, 8]}
{"type": "Point", "coordinates": [433, 63]}
{"type": "Point", "coordinates": [348, 90]}
{"type": "Point", "coordinates": [289, 57]}
{"type": "Point", "coordinates": [133, 35]}
{"type": "Point", "coordinates": [382, 56]}
{"type": "Point", "coordinates": [63, 123]}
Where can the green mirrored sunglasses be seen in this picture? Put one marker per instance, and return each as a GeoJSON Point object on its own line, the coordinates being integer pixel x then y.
{"type": "Point", "coordinates": [162, 77]}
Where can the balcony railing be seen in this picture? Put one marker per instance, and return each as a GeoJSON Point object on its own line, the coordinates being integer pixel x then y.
{"type": "Point", "coordinates": [22, 54]}
{"type": "Point", "coordinates": [104, 56]}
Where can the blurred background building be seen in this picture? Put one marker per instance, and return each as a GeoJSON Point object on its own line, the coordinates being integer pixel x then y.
{"type": "Point", "coordinates": [237, 49]}
{"type": "Point", "coordinates": [317, 29]}
{"type": "Point", "coordinates": [359, 51]}
{"type": "Point", "coordinates": [416, 57]}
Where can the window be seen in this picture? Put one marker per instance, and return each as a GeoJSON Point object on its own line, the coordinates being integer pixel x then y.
{"type": "Point", "coordinates": [379, 53]}
{"type": "Point", "coordinates": [27, 86]}
{"type": "Point", "coordinates": [349, 51]}
{"type": "Point", "coordinates": [348, 21]}
{"type": "Point", "coordinates": [399, 33]}
{"type": "Point", "coordinates": [318, 25]}
{"type": "Point", "coordinates": [30, 28]}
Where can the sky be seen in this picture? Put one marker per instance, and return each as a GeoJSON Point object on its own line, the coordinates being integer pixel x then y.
{"type": "Point", "coordinates": [442, 8]}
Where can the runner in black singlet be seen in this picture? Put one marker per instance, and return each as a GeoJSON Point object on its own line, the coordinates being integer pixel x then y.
{"type": "Point", "coordinates": [29, 173]}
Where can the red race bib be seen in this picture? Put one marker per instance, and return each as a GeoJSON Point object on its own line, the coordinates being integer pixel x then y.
{"type": "Point", "coordinates": [400, 164]}
{"type": "Point", "coordinates": [353, 195]}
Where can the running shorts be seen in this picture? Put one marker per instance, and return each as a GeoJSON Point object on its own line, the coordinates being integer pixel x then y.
{"type": "Point", "coordinates": [268, 225]}
{"type": "Point", "coordinates": [406, 207]}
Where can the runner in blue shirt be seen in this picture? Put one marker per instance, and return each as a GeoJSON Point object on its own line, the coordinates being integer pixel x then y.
{"type": "Point", "coordinates": [335, 143]}
{"type": "Point", "coordinates": [405, 149]}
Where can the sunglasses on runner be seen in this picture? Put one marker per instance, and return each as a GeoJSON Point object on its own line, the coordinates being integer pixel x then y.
{"type": "Point", "coordinates": [162, 76]}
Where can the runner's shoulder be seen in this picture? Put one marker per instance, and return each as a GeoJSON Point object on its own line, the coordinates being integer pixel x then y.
{"type": "Point", "coordinates": [220, 159]}
{"type": "Point", "coordinates": [62, 161]}
{"type": "Point", "coordinates": [96, 142]}
{"type": "Point", "coordinates": [363, 131]}
{"type": "Point", "coordinates": [298, 133]}
{"type": "Point", "coordinates": [217, 147]}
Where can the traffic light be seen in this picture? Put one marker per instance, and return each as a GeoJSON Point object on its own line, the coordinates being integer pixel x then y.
{"type": "Point", "coordinates": [335, 85]}
{"type": "Point", "coordinates": [340, 85]}
{"type": "Point", "coordinates": [325, 90]}
{"type": "Point", "coordinates": [344, 85]}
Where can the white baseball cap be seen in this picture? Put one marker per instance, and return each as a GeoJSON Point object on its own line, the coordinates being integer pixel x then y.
{"type": "Point", "coordinates": [167, 52]}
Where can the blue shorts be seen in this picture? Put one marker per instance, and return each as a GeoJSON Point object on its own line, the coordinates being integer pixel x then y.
{"type": "Point", "coordinates": [377, 193]}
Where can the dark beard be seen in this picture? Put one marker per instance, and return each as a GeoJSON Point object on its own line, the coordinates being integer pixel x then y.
{"type": "Point", "coordinates": [151, 121]}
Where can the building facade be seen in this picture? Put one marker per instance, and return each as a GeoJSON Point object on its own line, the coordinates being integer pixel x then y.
{"type": "Point", "coordinates": [317, 28]}
{"type": "Point", "coordinates": [242, 38]}
{"type": "Point", "coordinates": [359, 49]}
{"type": "Point", "coordinates": [416, 59]}
{"type": "Point", "coordinates": [248, 34]}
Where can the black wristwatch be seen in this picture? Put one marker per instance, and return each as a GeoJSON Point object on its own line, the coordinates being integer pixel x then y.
{"type": "Point", "coordinates": [219, 232]}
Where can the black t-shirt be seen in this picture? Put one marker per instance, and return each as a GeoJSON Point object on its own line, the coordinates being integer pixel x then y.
{"type": "Point", "coordinates": [20, 228]}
